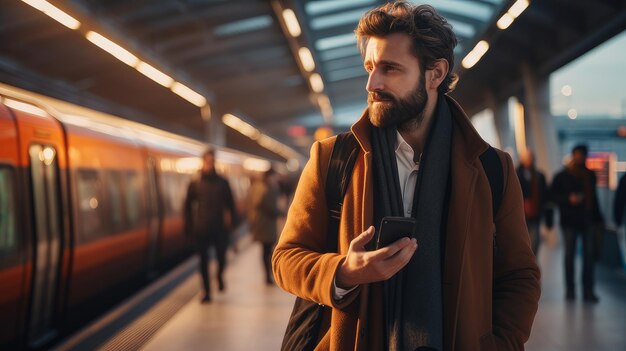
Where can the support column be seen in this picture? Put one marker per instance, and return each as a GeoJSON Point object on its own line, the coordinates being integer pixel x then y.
{"type": "Point", "coordinates": [504, 129]}
{"type": "Point", "coordinates": [540, 122]}
{"type": "Point", "coordinates": [214, 129]}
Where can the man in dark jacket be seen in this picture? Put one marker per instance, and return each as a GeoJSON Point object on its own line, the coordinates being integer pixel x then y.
{"type": "Point", "coordinates": [535, 193]}
{"type": "Point", "coordinates": [209, 215]}
{"type": "Point", "coordinates": [574, 190]}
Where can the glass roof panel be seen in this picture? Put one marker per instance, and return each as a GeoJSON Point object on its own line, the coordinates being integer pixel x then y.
{"type": "Point", "coordinates": [340, 52]}
{"type": "Point", "coordinates": [345, 73]}
{"type": "Point", "coordinates": [314, 8]}
{"type": "Point", "coordinates": [471, 9]}
{"type": "Point", "coordinates": [462, 29]}
{"type": "Point", "coordinates": [335, 41]}
{"type": "Point", "coordinates": [333, 20]}
{"type": "Point", "coordinates": [243, 26]}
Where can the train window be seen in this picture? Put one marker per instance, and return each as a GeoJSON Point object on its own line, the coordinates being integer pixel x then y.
{"type": "Point", "coordinates": [91, 212]}
{"type": "Point", "coordinates": [116, 206]}
{"type": "Point", "coordinates": [8, 232]}
{"type": "Point", "coordinates": [132, 198]}
{"type": "Point", "coordinates": [174, 191]}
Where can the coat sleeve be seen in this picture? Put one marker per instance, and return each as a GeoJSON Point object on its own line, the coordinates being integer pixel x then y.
{"type": "Point", "coordinates": [516, 288]}
{"type": "Point", "coordinates": [299, 264]}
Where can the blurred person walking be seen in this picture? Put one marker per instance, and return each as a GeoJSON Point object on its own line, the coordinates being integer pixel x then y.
{"type": "Point", "coordinates": [263, 213]}
{"type": "Point", "coordinates": [574, 190]}
{"type": "Point", "coordinates": [535, 191]}
{"type": "Point", "coordinates": [209, 218]}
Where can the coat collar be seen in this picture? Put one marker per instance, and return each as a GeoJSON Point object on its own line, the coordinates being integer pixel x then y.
{"type": "Point", "coordinates": [473, 144]}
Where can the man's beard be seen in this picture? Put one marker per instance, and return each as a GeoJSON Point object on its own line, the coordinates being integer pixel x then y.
{"type": "Point", "coordinates": [406, 113]}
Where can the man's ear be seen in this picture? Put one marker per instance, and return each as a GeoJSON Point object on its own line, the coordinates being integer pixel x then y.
{"type": "Point", "coordinates": [436, 74]}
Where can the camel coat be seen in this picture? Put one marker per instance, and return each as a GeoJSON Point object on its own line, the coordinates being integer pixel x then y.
{"type": "Point", "coordinates": [490, 295]}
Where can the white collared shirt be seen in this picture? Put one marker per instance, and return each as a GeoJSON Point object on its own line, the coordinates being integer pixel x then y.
{"type": "Point", "coordinates": [407, 174]}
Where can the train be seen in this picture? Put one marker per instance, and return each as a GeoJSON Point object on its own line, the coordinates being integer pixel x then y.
{"type": "Point", "coordinates": [89, 203]}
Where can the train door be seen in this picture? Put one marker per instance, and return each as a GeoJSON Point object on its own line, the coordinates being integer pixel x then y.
{"type": "Point", "coordinates": [13, 251]}
{"type": "Point", "coordinates": [45, 185]}
{"type": "Point", "coordinates": [154, 216]}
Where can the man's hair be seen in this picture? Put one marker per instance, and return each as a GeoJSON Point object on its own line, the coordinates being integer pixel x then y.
{"type": "Point", "coordinates": [581, 148]}
{"type": "Point", "coordinates": [430, 33]}
{"type": "Point", "coordinates": [208, 151]}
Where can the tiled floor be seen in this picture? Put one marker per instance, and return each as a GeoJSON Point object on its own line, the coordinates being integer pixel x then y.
{"type": "Point", "coordinates": [249, 315]}
{"type": "Point", "coordinates": [252, 316]}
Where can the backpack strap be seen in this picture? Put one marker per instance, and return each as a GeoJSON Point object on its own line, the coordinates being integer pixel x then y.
{"type": "Point", "coordinates": [342, 159]}
{"type": "Point", "coordinates": [495, 175]}
{"type": "Point", "coordinates": [493, 168]}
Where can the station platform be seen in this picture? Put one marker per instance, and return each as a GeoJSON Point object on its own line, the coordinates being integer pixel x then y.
{"type": "Point", "coordinates": [251, 315]}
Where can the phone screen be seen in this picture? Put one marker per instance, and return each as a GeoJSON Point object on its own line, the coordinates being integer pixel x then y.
{"type": "Point", "coordinates": [395, 228]}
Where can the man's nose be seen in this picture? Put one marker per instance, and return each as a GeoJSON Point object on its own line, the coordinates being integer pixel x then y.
{"type": "Point", "coordinates": [374, 82]}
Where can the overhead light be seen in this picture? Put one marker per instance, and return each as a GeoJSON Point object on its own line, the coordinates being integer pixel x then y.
{"type": "Point", "coordinates": [505, 21]}
{"type": "Point", "coordinates": [566, 90]}
{"type": "Point", "coordinates": [54, 12]}
{"type": "Point", "coordinates": [518, 7]}
{"type": "Point", "coordinates": [155, 74]}
{"type": "Point", "coordinates": [316, 83]}
{"type": "Point", "coordinates": [474, 56]}
{"type": "Point", "coordinates": [327, 110]}
{"type": "Point", "coordinates": [117, 51]}
{"type": "Point", "coordinates": [293, 27]}
{"type": "Point", "coordinates": [242, 127]}
{"type": "Point", "coordinates": [188, 94]}
{"type": "Point", "coordinates": [572, 113]}
{"type": "Point", "coordinates": [306, 59]}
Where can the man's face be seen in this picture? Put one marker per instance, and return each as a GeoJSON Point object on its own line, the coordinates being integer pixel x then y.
{"type": "Point", "coordinates": [209, 163]}
{"type": "Point", "coordinates": [579, 158]}
{"type": "Point", "coordinates": [396, 87]}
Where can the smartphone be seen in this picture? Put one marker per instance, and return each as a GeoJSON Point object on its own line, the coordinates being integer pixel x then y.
{"type": "Point", "coordinates": [395, 228]}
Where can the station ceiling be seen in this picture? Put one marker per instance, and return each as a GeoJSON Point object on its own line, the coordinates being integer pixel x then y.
{"type": "Point", "coordinates": [239, 55]}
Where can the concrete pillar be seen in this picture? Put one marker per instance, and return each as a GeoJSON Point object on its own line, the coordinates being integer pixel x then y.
{"type": "Point", "coordinates": [214, 129]}
{"type": "Point", "coordinates": [540, 122]}
{"type": "Point", "coordinates": [504, 129]}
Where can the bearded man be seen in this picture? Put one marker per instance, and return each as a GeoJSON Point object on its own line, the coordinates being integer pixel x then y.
{"type": "Point", "coordinates": [449, 287]}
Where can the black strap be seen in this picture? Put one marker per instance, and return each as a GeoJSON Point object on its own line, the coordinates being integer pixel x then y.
{"type": "Point", "coordinates": [493, 168]}
{"type": "Point", "coordinates": [342, 159]}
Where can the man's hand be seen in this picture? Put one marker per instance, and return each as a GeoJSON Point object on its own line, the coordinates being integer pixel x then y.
{"type": "Point", "coordinates": [361, 266]}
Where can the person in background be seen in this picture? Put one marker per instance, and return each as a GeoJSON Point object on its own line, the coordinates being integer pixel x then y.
{"type": "Point", "coordinates": [455, 286]}
{"type": "Point", "coordinates": [574, 191]}
{"type": "Point", "coordinates": [619, 202]}
{"type": "Point", "coordinates": [535, 191]}
{"type": "Point", "coordinates": [209, 217]}
{"type": "Point", "coordinates": [263, 213]}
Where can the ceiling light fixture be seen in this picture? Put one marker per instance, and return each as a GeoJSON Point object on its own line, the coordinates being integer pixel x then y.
{"type": "Point", "coordinates": [306, 58]}
{"type": "Point", "coordinates": [474, 56]}
{"type": "Point", "coordinates": [155, 74]}
{"type": "Point", "coordinates": [291, 21]}
{"type": "Point", "coordinates": [55, 13]}
{"type": "Point", "coordinates": [516, 9]}
{"type": "Point", "coordinates": [316, 83]}
{"type": "Point", "coordinates": [109, 46]}
{"type": "Point", "coordinates": [188, 94]}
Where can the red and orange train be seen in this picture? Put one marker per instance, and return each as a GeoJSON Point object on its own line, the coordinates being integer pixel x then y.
{"type": "Point", "coordinates": [88, 202]}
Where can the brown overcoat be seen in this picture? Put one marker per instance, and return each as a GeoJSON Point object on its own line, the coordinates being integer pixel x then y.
{"type": "Point", "coordinates": [490, 297]}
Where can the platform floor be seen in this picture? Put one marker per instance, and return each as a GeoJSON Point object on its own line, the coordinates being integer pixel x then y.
{"type": "Point", "coordinates": [252, 316]}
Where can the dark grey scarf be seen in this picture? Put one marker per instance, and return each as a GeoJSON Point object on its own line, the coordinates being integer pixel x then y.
{"type": "Point", "coordinates": [413, 297]}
